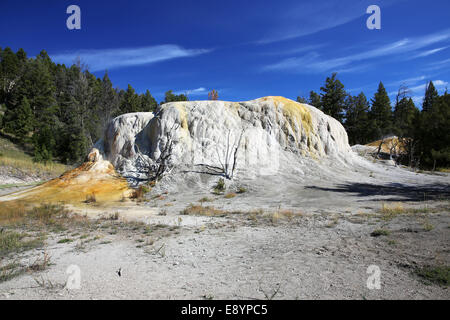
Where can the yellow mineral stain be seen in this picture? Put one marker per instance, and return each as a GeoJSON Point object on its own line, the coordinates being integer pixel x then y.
{"type": "Point", "coordinates": [392, 143]}
{"type": "Point", "coordinates": [93, 179]}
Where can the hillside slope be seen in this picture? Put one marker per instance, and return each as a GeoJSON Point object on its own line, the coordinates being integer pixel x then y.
{"type": "Point", "coordinates": [18, 167]}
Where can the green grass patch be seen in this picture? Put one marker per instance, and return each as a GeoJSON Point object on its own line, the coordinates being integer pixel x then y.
{"type": "Point", "coordinates": [10, 271]}
{"type": "Point", "coordinates": [65, 240]}
{"type": "Point", "coordinates": [15, 242]}
{"type": "Point", "coordinates": [435, 274]}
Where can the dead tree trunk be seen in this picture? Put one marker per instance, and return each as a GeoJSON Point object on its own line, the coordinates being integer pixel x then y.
{"type": "Point", "coordinates": [162, 164]}
{"type": "Point", "coordinates": [229, 162]}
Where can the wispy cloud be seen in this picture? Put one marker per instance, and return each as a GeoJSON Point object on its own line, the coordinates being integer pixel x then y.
{"type": "Point", "coordinates": [429, 52]}
{"type": "Point", "coordinates": [407, 82]}
{"type": "Point", "coordinates": [312, 16]}
{"type": "Point", "coordinates": [293, 51]}
{"type": "Point", "coordinates": [107, 59]}
{"type": "Point", "coordinates": [417, 92]}
{"type": "Point", "coordinates": [193, 92]}
{"type": "Point", "coordinates": [313, 62]}
{"type": "Point", "coordinates": [439, 65]}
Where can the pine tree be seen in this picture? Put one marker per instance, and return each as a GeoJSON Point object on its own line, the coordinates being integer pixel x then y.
{"type": "Point", "coordinates": [22, 120]}
{"type": "Point", "coordinates": [357, 119]}
{"type": "Point", "coordinates": [404, 113]}
{"type": "Point", "coordinates": [381, 113]}
{"type": "Point", "coordinates": [301, 99]}
{"type": "Point", "coordinates": [148, 103]}
{"type": "Point", "coordinates": [433, 136]}
{"type": "Point", "coordinates": [333, 97]}
{"type": "Point", "coordinates": [108, 101]}
{"type": "Point", "coordinates": [431, 95]}
{"type": "Point", "coordinates": [314, 100]}
{"type": "Point", "coordinates": [130, 102]}
{"type": "Point", "coordinates": [9, 74]}
{"type": "Point", "coordinates": [171, 97]}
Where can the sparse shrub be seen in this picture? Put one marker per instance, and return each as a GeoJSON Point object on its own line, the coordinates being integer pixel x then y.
{"type": "Point", "coordinates": [428, 226]}
{"type": "Point", "coordinates": [379, 232]}
{"type": "Point", "coordinates": [333, 223]}
{"type": "Point", "coordinates": [140, 192]}
{"type": "Point", "coordinates": [40, 264]}
{"type": "Point", "coordinates": [220, 186]}
{"type": "Point", "coordinates": [114, 216]}
{"type": "Point", "coordinates": [205, 199]}
{"type": "Point", "coordinates": [242, 190]}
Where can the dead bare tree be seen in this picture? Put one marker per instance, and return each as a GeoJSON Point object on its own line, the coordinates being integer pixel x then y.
{"type": "Point", "coordinates": [229, 162]}
{"type": "Point", "coordinates": [162, 164]}
{"type": "Point", "coordinates": [394, 149]}
{"type": "Point", "coordinates": [379, 148]}
{"type": "Point", "coordinates": [213, 95]}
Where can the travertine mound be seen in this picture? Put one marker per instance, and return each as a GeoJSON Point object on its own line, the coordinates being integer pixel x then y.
{"type": "Point", "coordinates": [94, 179]}
{"type": "Point", "coordinates": [267, 133]}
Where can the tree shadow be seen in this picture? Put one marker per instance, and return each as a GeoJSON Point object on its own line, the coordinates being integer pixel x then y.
{"type": "Point", "coordinates": [396, 191]}
{"type": "Point", "coordinates": [206, 169]}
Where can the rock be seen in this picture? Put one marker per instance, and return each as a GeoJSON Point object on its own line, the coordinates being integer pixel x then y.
{"type": "Point", "coordinates": [205, 134]}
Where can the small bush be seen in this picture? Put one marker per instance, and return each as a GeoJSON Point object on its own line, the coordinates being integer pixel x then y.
{"type": "Point", "coordinates": [205, 199]}
{"type": "Point", "coordinates": [220, 186]}
{"type": "Point", "coordinates": [242, 190]}
{"type": "Point", "coordinates": [379, 232]}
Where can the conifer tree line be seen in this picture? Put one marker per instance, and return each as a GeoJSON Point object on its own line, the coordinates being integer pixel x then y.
{"type": "Point", "coordinates": [425, 133]}
{"type": "Point", "coordinates": [61, 110]}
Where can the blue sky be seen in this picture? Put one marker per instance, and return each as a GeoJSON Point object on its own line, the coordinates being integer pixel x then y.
{"type": "Point", "coordinates": [243, 49]}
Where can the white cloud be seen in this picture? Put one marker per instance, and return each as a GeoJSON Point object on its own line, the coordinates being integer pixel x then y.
{"type": "Point", "coordinates": [312, 62]}
{"type": "Point", "coordinates": [193, 92]}
{"type": "Point", "coordinates": [107, 59]}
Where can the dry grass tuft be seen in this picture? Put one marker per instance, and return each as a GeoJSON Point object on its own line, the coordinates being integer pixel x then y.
{"type": "Point", "coordinates": [205, 199]}
{"type": "Point", "coordinates": [230, 195]}
{"type": "Point", "coordinates": [90, 198]}
{"type": "Point", "coordinates": [391, 211]}
{"type": "Point", "coordinates": [202, 211]}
